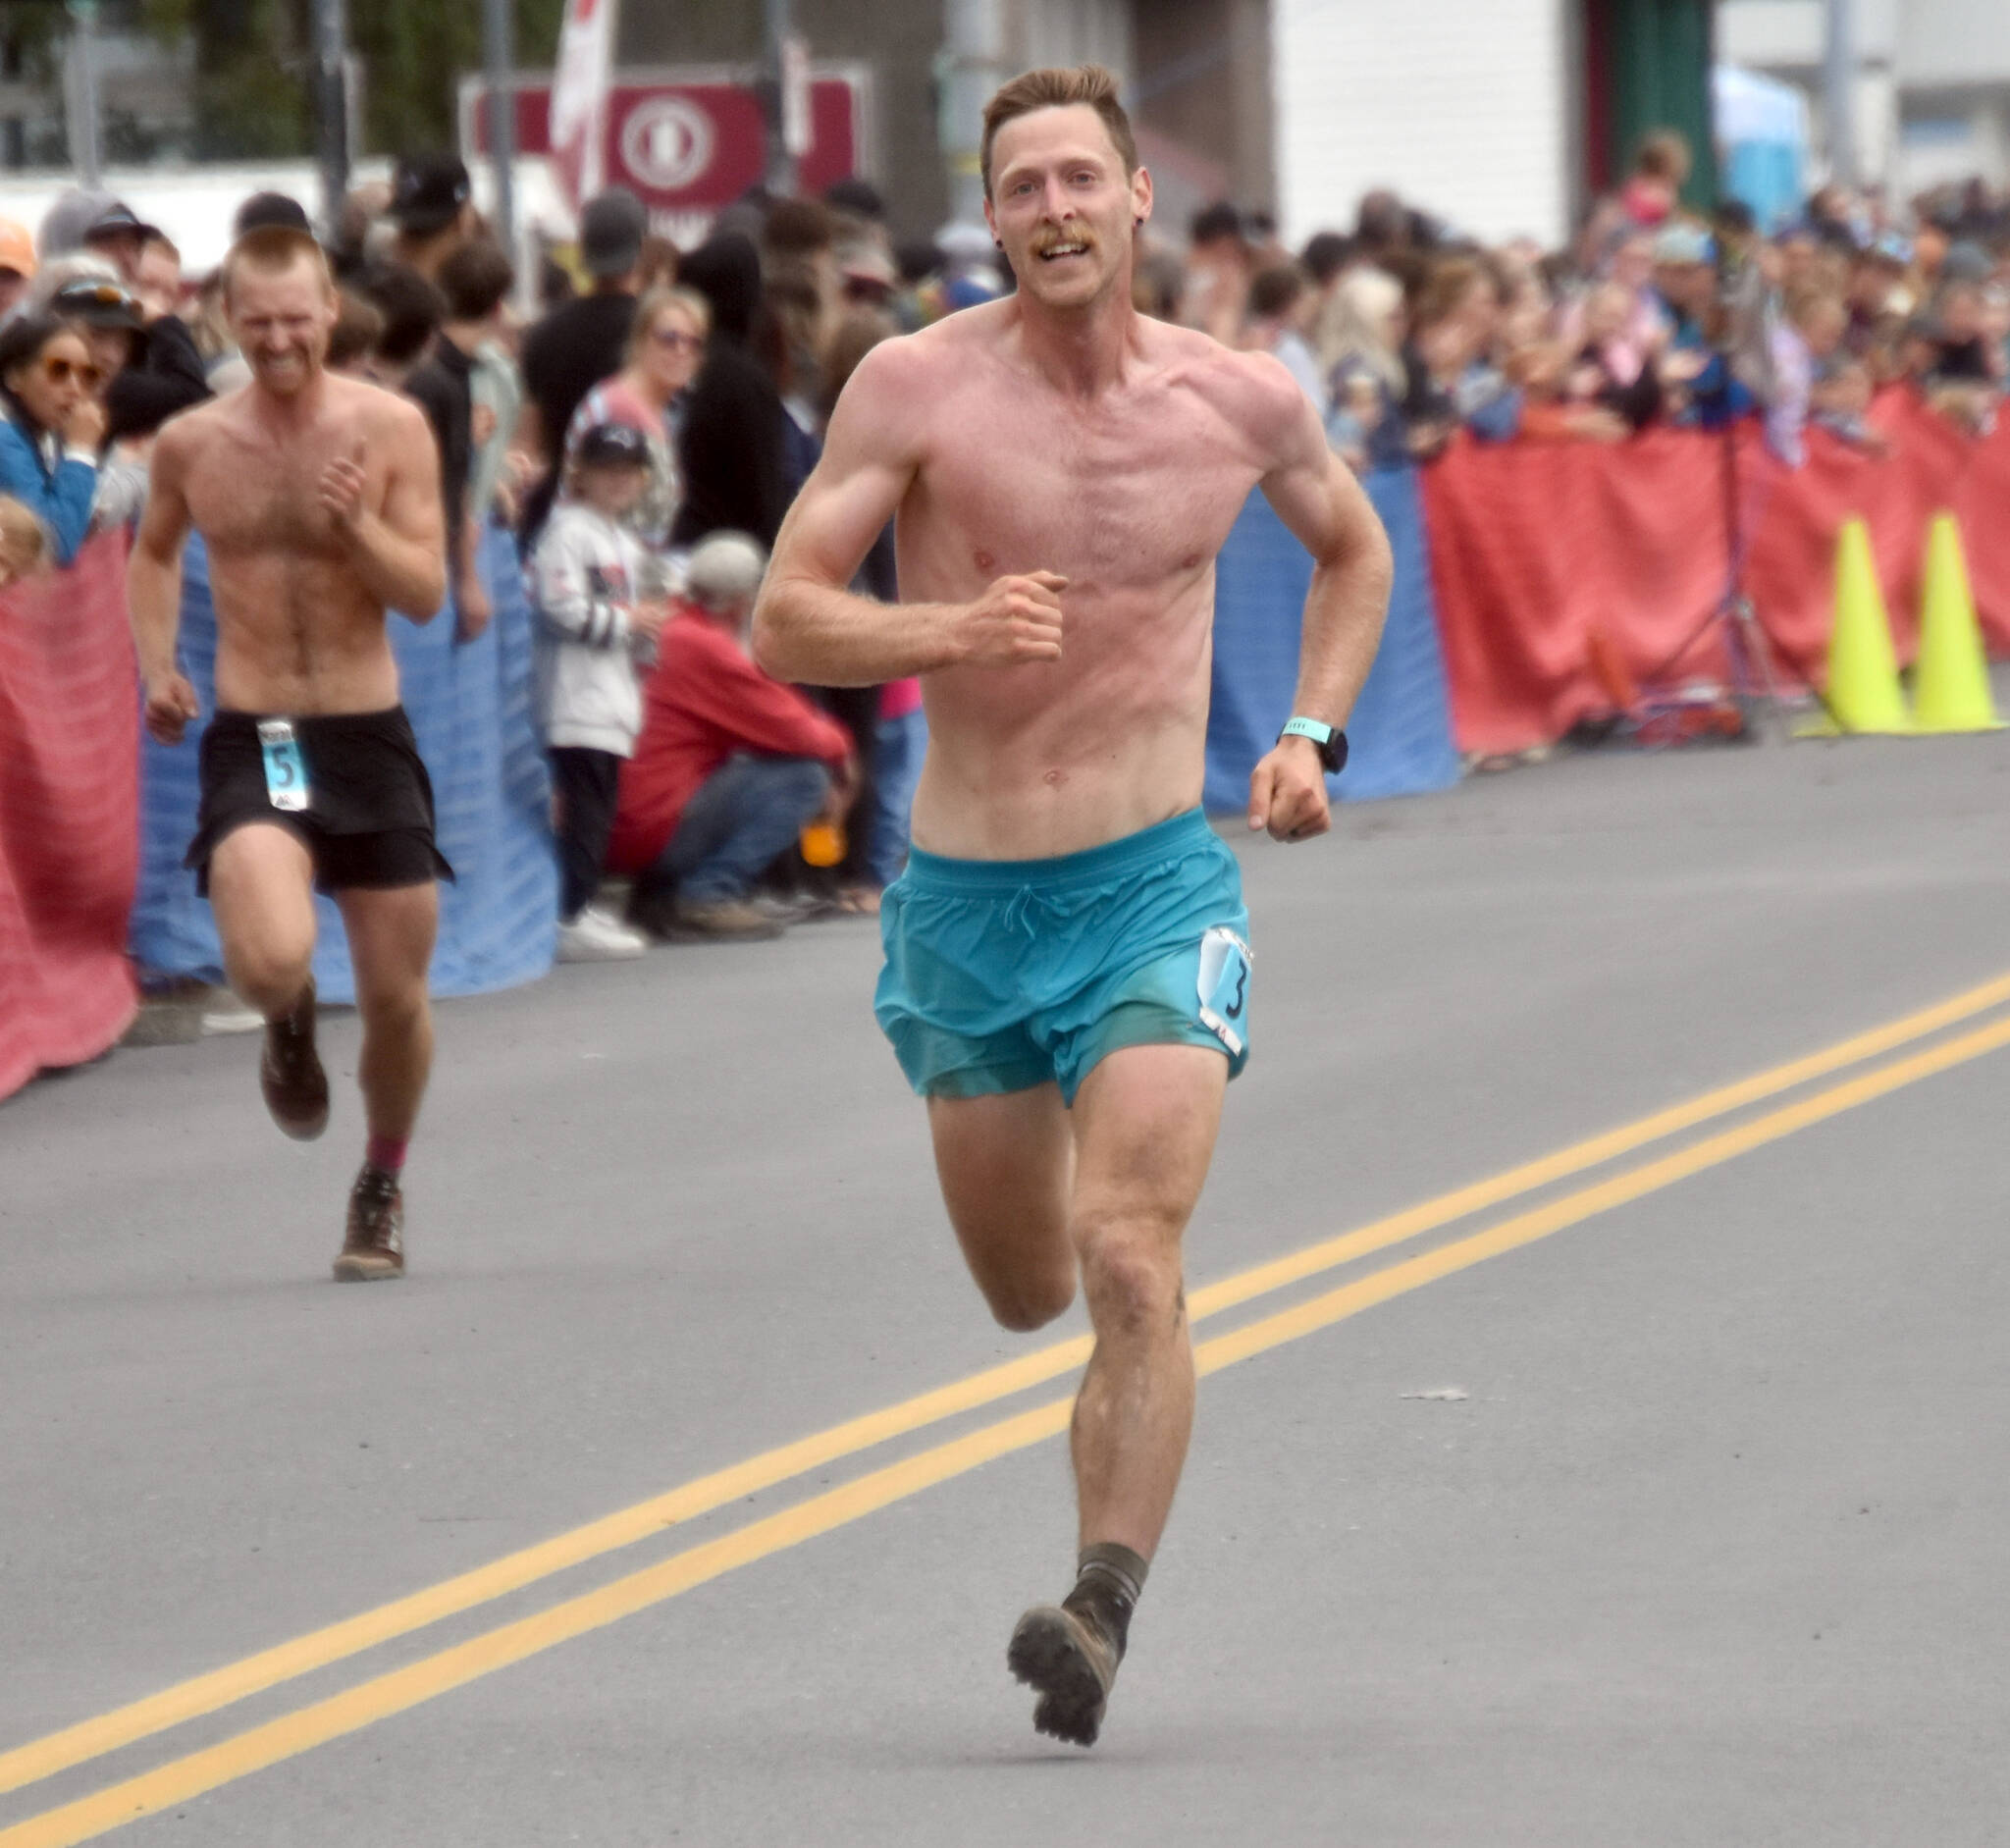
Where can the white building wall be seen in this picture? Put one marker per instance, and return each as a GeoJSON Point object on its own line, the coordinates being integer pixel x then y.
{"type": "Point", "coordinates": [1071, 31]}
{"type": "Point", "coordinates": [1464, 107]}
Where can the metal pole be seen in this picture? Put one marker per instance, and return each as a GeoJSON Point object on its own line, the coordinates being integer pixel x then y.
{"type": "Point", "coordinates": [331, 102]}
{"type": "Point", "coordinates": [498, 48]}
{"type": "Point", "coordinates": [781, 164]}
{"type": "Point", "coordinates": [84, 145]}
{"type": "Point", "coordinates": [1838, 92]}
{"type": "Point", "coordinates": [973, 66]}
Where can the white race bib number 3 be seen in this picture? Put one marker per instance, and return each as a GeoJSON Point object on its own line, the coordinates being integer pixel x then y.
{"type": "Point", "coordinates": [1224, 986]}
{"type": "Point", "coordinates": [285, 774]}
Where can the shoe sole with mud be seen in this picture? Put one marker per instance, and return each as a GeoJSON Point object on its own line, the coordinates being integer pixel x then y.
{"type": "Point", "coordinates": [1048, 1655]}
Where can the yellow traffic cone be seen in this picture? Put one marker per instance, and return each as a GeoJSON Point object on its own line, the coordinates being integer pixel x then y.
{"type": "Point", "coordinates": [1863, 669]}
{"type": "Point", "coordinates": [1950, 683]}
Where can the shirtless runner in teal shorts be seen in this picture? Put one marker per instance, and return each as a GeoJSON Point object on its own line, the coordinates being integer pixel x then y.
{"type": "Point", "coordinates": [1067, 976]}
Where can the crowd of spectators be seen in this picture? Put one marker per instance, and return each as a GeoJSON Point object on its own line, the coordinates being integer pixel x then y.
{"type": "Point", "coordinates": [1402, 331]}
{"type": "Point", "coordinates": [641, 435]}
{"type": "Point", "coordinates": [644, 430]}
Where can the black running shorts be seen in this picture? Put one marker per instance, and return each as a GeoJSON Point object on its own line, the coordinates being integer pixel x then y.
{"type": "Point", "coordinates": [369, 816]}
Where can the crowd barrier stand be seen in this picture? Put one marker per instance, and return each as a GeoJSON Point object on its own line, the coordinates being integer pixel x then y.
{"type": "Point", "coordinates": [1399, 734]}
{"type": "Point", "coordinates": [1536, 547]}
{"type": "Point", "coordinates": [470, 705]}
{"type": "Point", "coordinates": [69, 849]}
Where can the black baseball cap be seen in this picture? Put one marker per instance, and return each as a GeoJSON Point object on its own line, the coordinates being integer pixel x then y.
{"type": "Point", "coordinates": [428, 192]}
{"type": "Point", "coordinates": [611, 227]}
{"type": "Point", "coordinates": [262, 209]}
{"type": "Point", "coordinates": [612, 445]}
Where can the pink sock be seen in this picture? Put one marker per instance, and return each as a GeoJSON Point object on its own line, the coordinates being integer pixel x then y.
{"type": "Point", "coordinates": [384, 1152]}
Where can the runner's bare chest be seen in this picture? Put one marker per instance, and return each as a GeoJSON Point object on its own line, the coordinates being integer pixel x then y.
{"type": "Point", "coordinates": [250, 494]}
{"type": "Point", "coordinates": [1119, 494]}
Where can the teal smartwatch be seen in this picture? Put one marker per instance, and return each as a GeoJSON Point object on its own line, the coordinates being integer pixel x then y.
{"type": "Point", "coordinates": [1329, 739]}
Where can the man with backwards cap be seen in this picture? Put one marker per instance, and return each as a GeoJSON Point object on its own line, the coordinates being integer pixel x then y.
{"type": "Point", "coordinates": [1067, 978]}
{"type": "Point", "coordinates": [318, 497]}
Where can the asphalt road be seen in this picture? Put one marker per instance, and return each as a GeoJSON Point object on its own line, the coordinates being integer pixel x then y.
{"type": "Point", "coordinates": [1655, 1497]}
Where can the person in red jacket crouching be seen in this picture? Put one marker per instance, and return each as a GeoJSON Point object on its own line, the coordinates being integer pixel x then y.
{"type": "Point", "coordinates": [730, 764]}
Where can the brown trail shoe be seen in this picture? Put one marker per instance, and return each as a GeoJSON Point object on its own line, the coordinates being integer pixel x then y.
{"type": "Point", "coordinates": [1072, 1664]}
{"type": "Point", "coordinates": [289, 1072]}
{"type": "Point", "coordinates": [726, 921]}
{"type": "Point", "coordinates": [374, 1250]}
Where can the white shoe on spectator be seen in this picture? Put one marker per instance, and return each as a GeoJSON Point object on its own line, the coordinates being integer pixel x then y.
{"type": "Point", "coordinates": [595, 938]}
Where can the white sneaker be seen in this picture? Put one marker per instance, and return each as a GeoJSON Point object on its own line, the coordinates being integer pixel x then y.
{"type": "Point", "coordinates": [595, 938]}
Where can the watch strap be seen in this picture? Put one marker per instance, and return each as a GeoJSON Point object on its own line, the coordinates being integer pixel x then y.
{"type": "Point", "coordinates": [1330, 740]}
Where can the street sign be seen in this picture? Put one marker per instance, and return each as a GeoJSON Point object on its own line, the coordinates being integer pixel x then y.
{"type": "Point", "coordinates": [688, 142]}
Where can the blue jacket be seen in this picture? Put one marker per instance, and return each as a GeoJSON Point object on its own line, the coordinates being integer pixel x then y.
{"type": "Point", "coordinates": [58, 488]}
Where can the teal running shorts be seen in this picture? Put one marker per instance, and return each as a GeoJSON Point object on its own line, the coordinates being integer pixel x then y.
{"type": "Point", "coordinates": [1005, 973]}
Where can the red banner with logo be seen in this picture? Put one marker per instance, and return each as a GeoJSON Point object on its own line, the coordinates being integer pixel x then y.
{"type": "Point", "coordinates": [1540, 549]}
{"type": "Point", "coordinates": [69, 814]}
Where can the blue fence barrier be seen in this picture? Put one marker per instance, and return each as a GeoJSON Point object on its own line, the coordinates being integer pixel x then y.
{"type": "Point", "coordinates": [470, 709]}
{"type": "Point", "coordinates": [1401, 733]}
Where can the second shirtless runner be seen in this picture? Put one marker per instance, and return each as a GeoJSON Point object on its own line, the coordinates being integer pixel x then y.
{"type": "Point", "coordinates": [1067, 962]}
{"type": "Point", "coordinates": [318, 497]}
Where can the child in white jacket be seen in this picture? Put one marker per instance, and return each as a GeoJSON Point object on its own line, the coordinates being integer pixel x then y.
{"type": "Point", "coordinates": [585, 579]}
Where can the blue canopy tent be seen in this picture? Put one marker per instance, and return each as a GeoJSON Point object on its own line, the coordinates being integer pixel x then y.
{"type": "Point", "coordinates": [1762, 137]}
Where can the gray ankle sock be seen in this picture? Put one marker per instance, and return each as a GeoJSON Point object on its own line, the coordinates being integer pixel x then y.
{"type": "Point", "coordinates": [1109, 1579]}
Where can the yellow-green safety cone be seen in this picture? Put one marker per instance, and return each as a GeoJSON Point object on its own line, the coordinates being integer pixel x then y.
{"type": "Point", "coordinates": [1863, 668]}
{"type": "Point", "coordinates": [1950, 682]}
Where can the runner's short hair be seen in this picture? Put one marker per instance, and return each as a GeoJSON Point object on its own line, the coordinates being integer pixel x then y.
{"type": "Point", "coordinates": [1059, 88]}
{"type": "Point", "coordinates": [272, 249]}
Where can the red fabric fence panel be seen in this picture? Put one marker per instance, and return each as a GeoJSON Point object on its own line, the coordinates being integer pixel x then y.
{"type": "Point", "coordinates": [1537, 547]}
{"type": "Point", "coordinates": [69, 814]}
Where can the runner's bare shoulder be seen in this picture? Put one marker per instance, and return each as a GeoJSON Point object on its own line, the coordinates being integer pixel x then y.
{"type": "Point", "coordinates": [378, 415]}
{"type": "Point", "coordinates": [896, 388]}
{"type": "Point", "coordinates": [1251, 392]}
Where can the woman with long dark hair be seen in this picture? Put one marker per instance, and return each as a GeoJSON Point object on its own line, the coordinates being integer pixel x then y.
{"type": "Point", "coordinates": [51, 425]}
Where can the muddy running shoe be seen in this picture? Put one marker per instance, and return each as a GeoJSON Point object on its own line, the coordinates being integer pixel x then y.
{"type": "Point", "coordinates": [289, 1072]}
{"type": "Point", "coordinates": [1071, 1663]}
{"type": "Point", "coordinates": [374, 1250]}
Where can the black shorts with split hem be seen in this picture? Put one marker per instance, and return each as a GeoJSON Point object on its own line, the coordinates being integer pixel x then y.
{"type": "Point", "coordinates": [368, 821]}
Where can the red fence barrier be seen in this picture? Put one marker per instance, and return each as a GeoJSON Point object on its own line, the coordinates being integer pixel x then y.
{"type": "Point", "coordinates": [69, 814]}
{"type": "Point", "coordinates": [1537, 545]}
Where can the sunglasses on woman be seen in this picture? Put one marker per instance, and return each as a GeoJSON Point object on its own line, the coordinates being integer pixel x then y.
{"type": "Point", "coordinates": [675, 339]}
{"type": "Point", "coordinates": [60, 371]}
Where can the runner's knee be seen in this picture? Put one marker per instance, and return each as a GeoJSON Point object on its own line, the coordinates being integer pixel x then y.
{"type": "Point", "coordinates": [270, 973]}
{"type": "Point", "coordinates": [1130, 1270]}
{"type": "Point", "coordinates": [395, 1008]}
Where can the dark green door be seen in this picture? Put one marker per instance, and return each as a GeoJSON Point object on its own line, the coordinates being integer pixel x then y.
{"type": "Point", "coordinates": [1648, 67]}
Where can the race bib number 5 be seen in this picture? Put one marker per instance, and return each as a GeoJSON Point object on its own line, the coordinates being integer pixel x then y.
{"type": "Point", "coordinates": [1224, 986]}
{"type": "Point", "coordinates": [285, 774]}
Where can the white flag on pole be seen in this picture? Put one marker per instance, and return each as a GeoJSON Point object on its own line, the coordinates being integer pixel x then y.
{"type": "Point", "coordinates": [579, 98]}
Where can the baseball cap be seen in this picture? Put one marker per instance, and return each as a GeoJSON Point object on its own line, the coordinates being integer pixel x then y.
{"type": "Point", "coordinates": [96, 301]}
{"type": "Point", "coordinates": [1684, 244]}
{"type": "Point", "coordinates": [428, 192]}
{"type": "Point", "coordinates": [119, 220]}
{"type": "Point", "coordinates": [271, 208]}
{"type": "Point", "coordinates": [17, 248]}
{"type": "Point", "coordinates": [610, 232]}
{"type": "Point", "coordinates": [612, 445]}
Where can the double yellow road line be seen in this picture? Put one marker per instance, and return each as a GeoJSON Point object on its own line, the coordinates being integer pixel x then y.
{"type": "Point", "coordinates": [362, 1705]}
